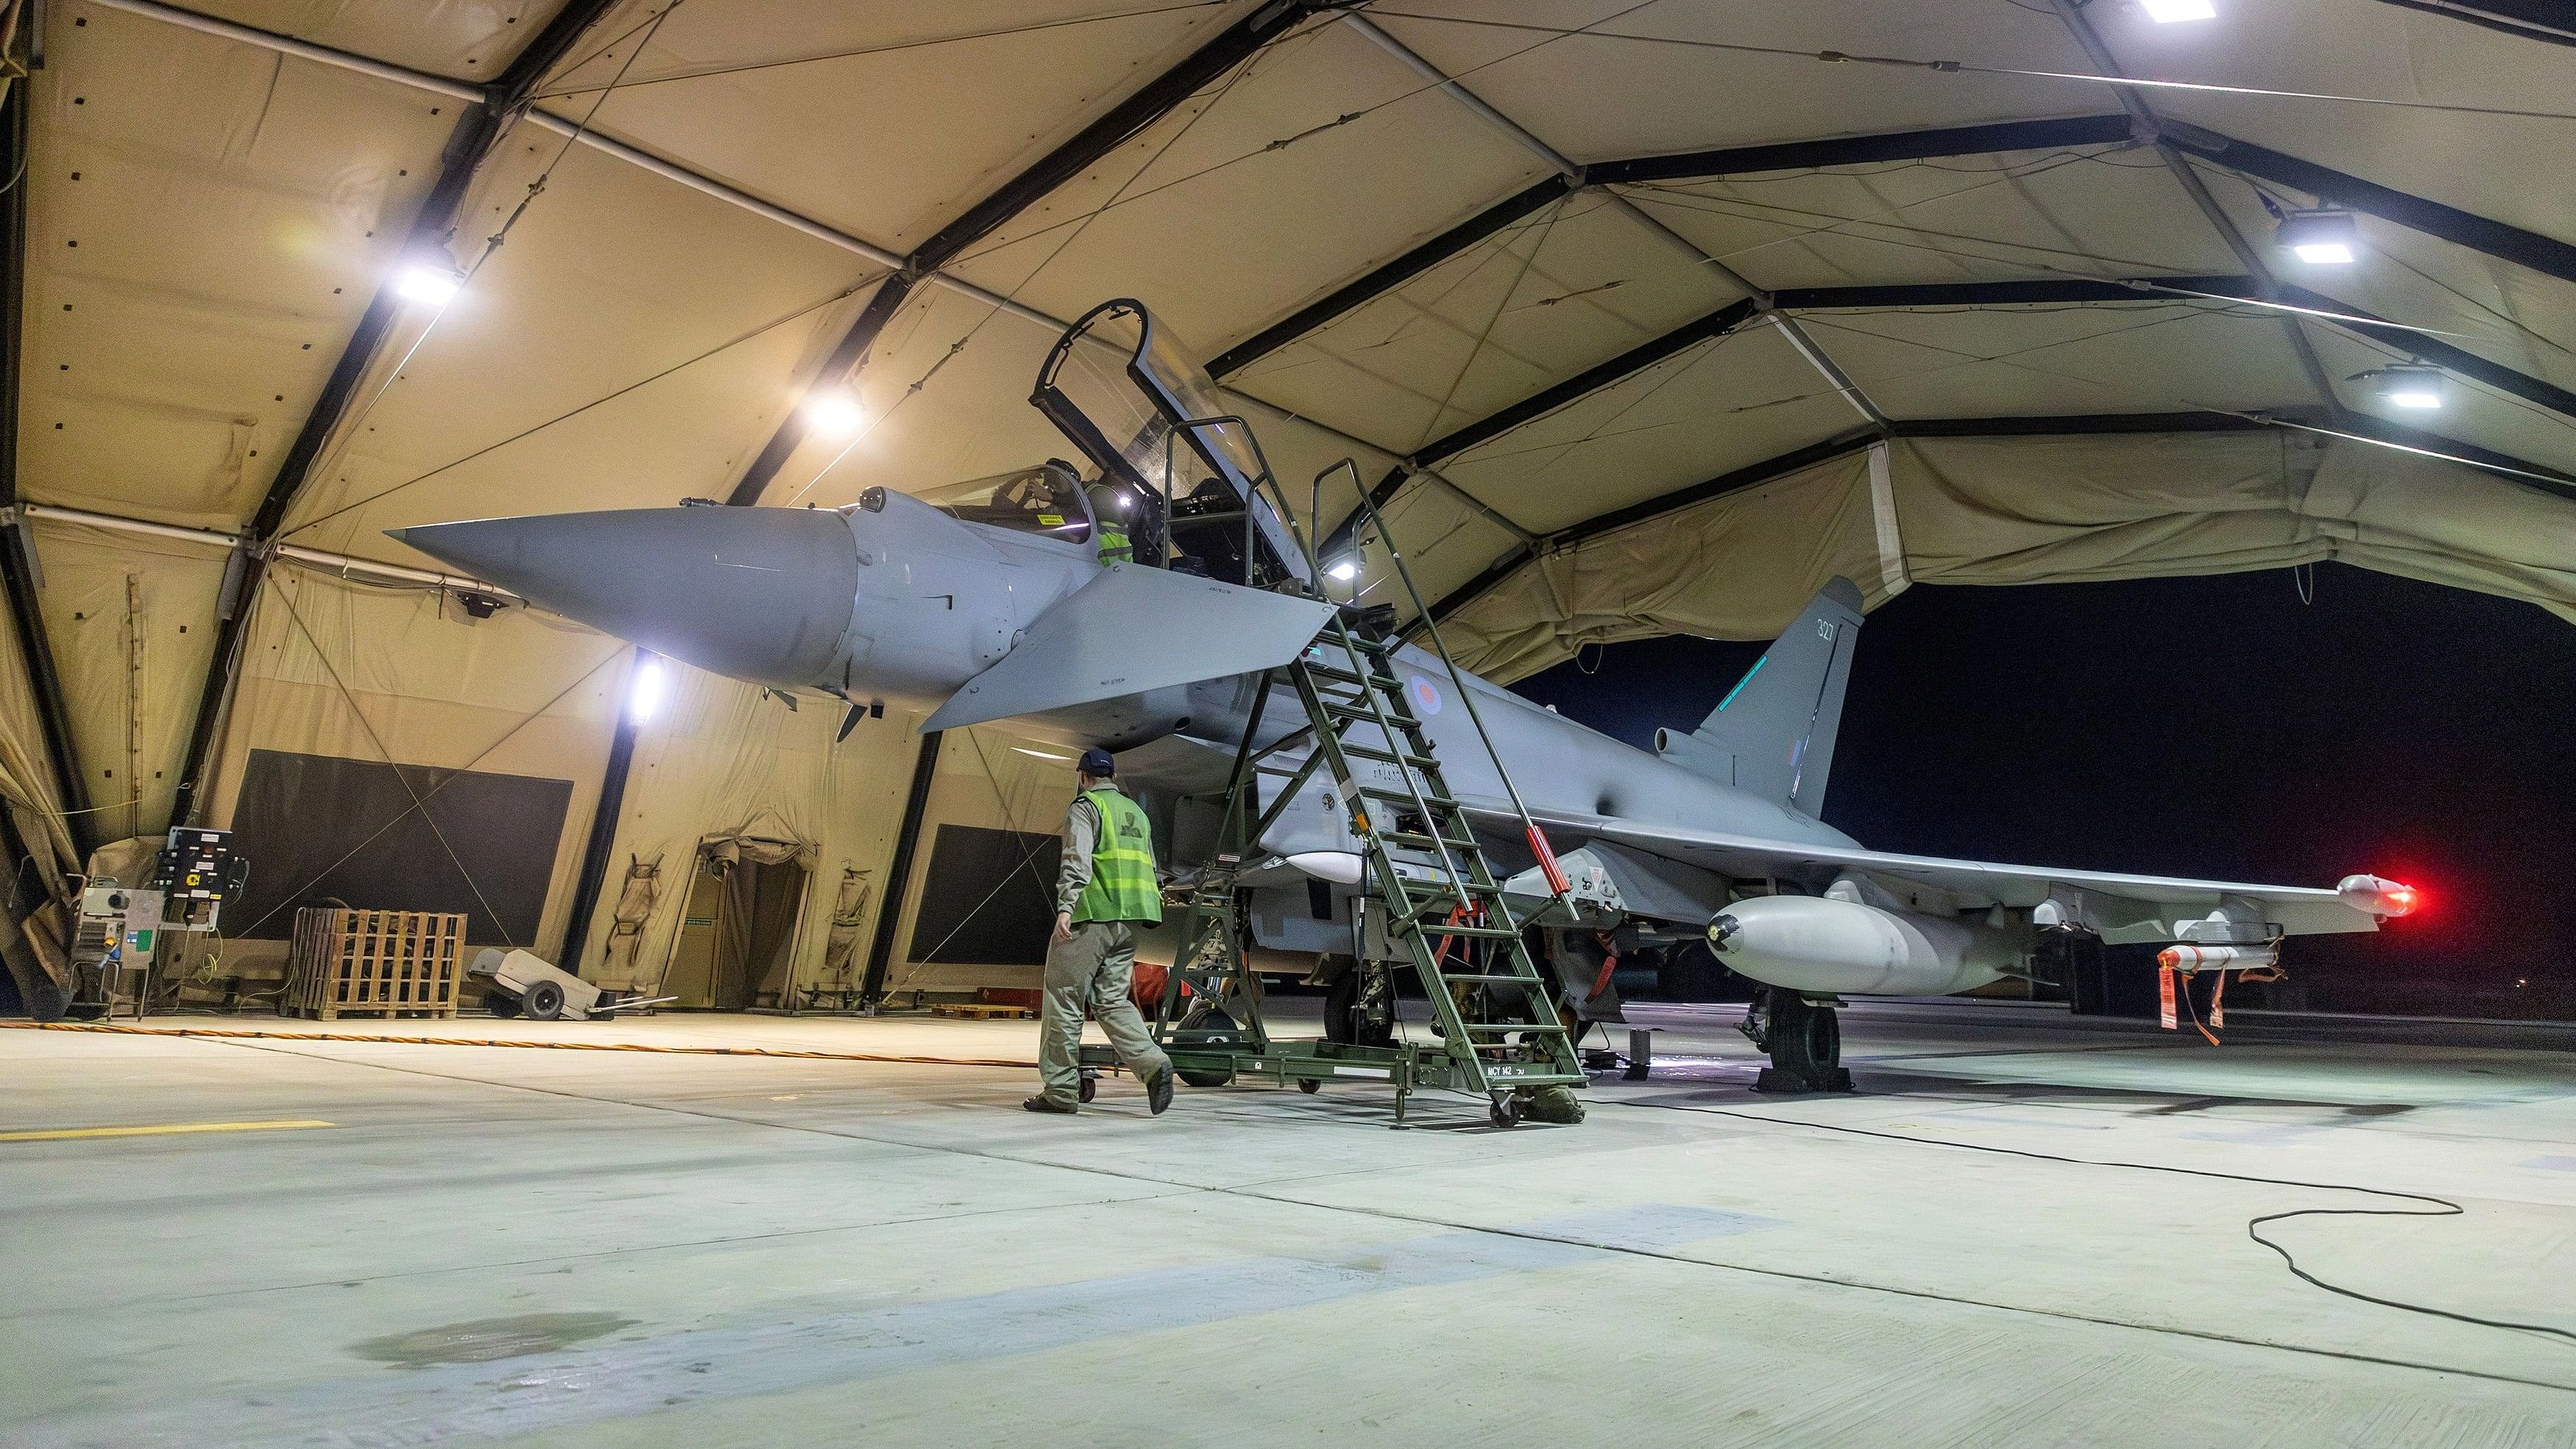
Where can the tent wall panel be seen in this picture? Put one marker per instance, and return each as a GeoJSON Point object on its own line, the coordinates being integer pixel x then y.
{"type": "Point", "coordinates": [132, 622]}
{"type": "Point", "coordinates": [398, 675]}
{"type": "Point", "coordinates": [2027, 510]}
{"type": "Point", "coordinates": [722, 758]}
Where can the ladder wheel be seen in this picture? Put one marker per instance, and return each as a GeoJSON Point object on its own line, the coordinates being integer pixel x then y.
{"type": "Point", "coordinates": [1208, 1079]}
{"type": "Point", "coordinates": [1506, 1111]}
{"type": "Point", "coordinates": [1090, 1087]}
{"type": "Point", "coordinates": [1309, 1085]}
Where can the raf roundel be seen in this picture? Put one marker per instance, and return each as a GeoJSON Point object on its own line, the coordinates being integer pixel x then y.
{"type": "Point", "coordinates": [1426, 699]}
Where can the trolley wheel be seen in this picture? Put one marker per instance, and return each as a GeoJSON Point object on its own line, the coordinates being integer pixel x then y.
{"type": "Point", "coordinates": [500, 1003]}
{"type": "Point", "coordinates": [1506, 1111]}
{"type": "Point", "coordinates": [1208, 1079]}
{"type": "Point", "coordinates": [544, 1001]}
{"type": "Point", "coordinates": [1090, 1086]}
{"type": "Point", "coordinates": [1309, 1085]}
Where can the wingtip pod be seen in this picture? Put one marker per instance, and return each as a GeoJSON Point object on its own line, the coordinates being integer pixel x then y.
{"type": "Point", "coordinates": [2378, 896]}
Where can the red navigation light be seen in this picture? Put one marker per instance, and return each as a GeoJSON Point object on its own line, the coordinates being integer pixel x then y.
{"type": "Point", "coordinates": [2386, 899]}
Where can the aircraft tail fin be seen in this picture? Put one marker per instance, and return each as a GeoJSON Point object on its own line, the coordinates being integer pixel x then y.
{"type": "Point", "coordinates": [1774, 732]}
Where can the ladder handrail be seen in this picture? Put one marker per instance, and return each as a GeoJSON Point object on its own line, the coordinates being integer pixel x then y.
{"type": "Point", "coordinates": [1440, 646]}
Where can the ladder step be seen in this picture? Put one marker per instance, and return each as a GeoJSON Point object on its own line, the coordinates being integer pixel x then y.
{"type": "Point", "coordinates": [1453, 978]}
{"type": "Point", "coordinates": [1387, 757]}
{"type": "Point", "coordinates": [1406, 797]}
{"type": "Point", "coordinates": [1505, 1028]}
{"type": "Point", "coordinates": [1412, 841]}
{"type": "Point", "coordinates": [1477, 933]}
{"type": "Point", "coordinates": [1339, 675]}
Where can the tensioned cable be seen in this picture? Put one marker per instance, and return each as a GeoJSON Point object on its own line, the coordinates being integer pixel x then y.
{"type": "Point", "coordinates": [419, 801]}
{"type": "Point", "coordinates": [1961, 67]}
{"type": "Point", "coordinates": [1233, 77]}
{"type": "Point", "coordinates": [347, 429]}
{"type": "Point", "coordinates": [423, 802]}
{"type": "Point", "coordinates": [2140, 284]}
{"type": "Point", "coordinates": [1282, 143]}
{"type": "Point", "coordinates": [1476, 348]}
{"type": "Point", "coordinates": [728, 344]}
{"type": "Point", "coordinates": [890, 47]}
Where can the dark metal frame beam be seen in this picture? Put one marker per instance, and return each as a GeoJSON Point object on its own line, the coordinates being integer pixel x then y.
{"type": "Point", "coordinates": [467, 147]}
{"type": "Point", "coordinates": [898, 877]}
{"type": "Point", "coordinates": [1378, 281]}
{"type": "Point", "coordinates": [1925, 145]}
{"type": "Point", "coordinates": [1120, 124]}
{"type": "Point", "coordinates": [2546, 255]}
{"type": "Point", "coordinates": [1738, 314]}
{"type": "Point", "coordinates": [2547, 21]}
{"type": "Point", "coordinates": [603, 822]}
{"type": "Point", "coordinates": [17, 541]}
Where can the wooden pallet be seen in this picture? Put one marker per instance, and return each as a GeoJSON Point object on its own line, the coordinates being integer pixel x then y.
{"type": "Point", "coordinates": [378, 964]}
{"type": "Point", "coordinates": [980, 1011]}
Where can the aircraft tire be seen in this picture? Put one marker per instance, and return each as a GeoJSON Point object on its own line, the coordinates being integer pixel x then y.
{"type": "Point", "coordinates": [1806, 1041]}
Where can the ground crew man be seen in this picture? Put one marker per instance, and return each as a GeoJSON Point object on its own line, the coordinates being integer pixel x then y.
{"type": "Point", "coordinates": [1106, 888]}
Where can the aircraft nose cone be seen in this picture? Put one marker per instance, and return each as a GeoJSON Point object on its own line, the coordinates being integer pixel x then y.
{"type": "Point", "coordinates": [762, 594]}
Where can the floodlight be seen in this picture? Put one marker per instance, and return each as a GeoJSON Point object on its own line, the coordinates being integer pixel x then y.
{"type": "Point", "coordinates": [834, 414]}
{"type": "Point", "coordinates": [2321, 238]}
{"type": "Point", "coordinates": [2166, 12]}
{"type": "Point", "coordinates": [644, 695]}
{"type": "Point", "coordinates": [436, 286]}
{"type": "Point", "coordinates": [1345, 570]}
{"type": "Point", "coordinates": [2413, 386]}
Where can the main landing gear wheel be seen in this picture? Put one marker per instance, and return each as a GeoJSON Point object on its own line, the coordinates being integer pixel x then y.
{"type": "Point", "coordinates": [1506, 1111]}
{"type": "Point", "coordinates": [544, 1001]}
{"type": "Point", "coordinates": [1806, 1044]}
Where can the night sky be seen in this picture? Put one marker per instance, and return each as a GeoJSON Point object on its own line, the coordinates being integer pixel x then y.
{"type": "Point", "coordinates": [2217, 728]}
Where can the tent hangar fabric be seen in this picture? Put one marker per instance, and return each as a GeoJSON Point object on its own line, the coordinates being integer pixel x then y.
{"type": "Point", "coordinates": [1632, 319]}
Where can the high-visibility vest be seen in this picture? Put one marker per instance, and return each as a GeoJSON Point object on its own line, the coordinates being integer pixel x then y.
{"type": "Point", "coordinates": [1123, 886]}
{"type": "Point", "coordinates": [1114, 545]}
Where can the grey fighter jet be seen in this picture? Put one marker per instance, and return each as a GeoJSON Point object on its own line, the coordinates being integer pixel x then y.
{"type": "Point", "coordinates": [1138, 603]}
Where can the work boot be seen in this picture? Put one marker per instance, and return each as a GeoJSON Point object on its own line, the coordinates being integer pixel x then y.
{"type": "Point", "coordinates": [1158, 1092]}
{"type": "Point", "coordinates": [1044, 1103]}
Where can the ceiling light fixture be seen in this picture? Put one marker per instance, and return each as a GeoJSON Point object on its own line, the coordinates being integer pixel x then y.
{"type": "Point", "coordinates": [436, 286]}
{"type": "Point", "coordinates": [2320, 238]}
{"type": "Point", "coordinates": [2412, 386]}
{"type": "Point", "coordinates": [834, 414]}
{"type": "Point", "coordinates": [2166, 12]}
{"type": "Point", "coordinates": [1345, 570]}
{"type": "Point", "coordinates": [644, 696]}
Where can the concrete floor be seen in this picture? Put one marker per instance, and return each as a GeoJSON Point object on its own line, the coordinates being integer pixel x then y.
{"type": "Point", "coordinates": [597, 1248]}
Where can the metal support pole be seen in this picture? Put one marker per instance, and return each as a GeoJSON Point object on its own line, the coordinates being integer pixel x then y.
{"type": "Point", "coordinates": [603, 826]}
{"type": "Point", "coordinates": [907, 838]}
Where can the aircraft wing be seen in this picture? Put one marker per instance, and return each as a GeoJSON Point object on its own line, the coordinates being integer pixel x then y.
{"type": "Point", "coordinates": [2122, 908]}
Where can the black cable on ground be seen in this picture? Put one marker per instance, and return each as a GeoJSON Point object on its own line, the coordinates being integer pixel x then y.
{"type": "Point", "coordinates": [2440, 1207]}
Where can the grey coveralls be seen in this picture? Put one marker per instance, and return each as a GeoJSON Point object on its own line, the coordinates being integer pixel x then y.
{"type": "Point", "coordinates": [1093, 969]}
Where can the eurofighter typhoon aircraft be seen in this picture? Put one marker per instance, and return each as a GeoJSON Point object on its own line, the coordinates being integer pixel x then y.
{"type": "Point", "coordinates": [1138, 604]}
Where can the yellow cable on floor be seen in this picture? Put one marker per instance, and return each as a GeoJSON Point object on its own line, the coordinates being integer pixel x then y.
{"type": "Point", "coordinates": [569, 1046]}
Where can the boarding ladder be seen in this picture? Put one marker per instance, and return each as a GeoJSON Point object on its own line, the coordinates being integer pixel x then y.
{"type": "Point", "coordinates": [1439, 906]}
